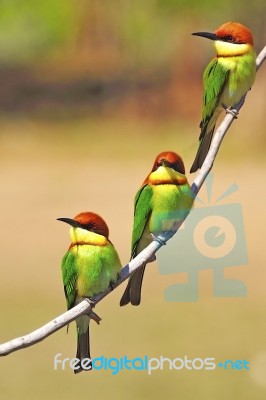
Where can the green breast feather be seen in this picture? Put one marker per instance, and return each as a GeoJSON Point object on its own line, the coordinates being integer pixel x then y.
{"type": "Point", "coordinates": [170, 203]}
{"type": "Point", "coordinates": [160, 206]}
{"type": "Point", "coordinates": [88, 270]}
{"type": "Point", "coordinates": [214, 80]}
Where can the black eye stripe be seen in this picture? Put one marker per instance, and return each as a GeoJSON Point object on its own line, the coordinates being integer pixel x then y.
{"type": "Point", "coordinates": [230, 39]}
{"type": "Point", "coordinates": [89, 227]}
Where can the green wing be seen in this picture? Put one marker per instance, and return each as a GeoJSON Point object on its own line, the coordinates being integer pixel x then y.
{"type": "Point", "coordinates": [142, 212]}
{"type": "Point", "coordinates": [214, 80]}
{"type": "Point", "coordinates": [69, 274]}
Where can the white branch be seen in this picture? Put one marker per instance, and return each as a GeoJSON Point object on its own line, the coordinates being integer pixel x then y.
{"type": "Point", "coordinates": [85, 307]}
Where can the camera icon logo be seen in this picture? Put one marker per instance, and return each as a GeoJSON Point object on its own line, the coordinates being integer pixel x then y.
{"type": "Point", "coordinates": [215, 236]}
{"type": "Point", "coordinates": [211, 238]}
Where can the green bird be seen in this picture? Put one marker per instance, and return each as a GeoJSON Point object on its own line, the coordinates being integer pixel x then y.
{"type": "Point", "coordinates": [164, 199]}
{"type": "Point", "coordinates": [89, 266]}
{"type": "Point", "coordinates": [226, 79]}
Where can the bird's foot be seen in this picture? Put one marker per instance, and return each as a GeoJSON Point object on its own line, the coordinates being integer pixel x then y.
{"type": "Point", "coordinates": [112, 285]}
{"type": "Point", "coordinates": [158, 239]}
{"type": "Point", "coordinates": [232, 111]}
{"type": "Point", "coordinates": [90, 301]}
{"type": "Point", "coordinates": [92, 314]}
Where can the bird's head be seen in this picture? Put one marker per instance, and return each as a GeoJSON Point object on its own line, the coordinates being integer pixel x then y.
{"type": "Point", "coordinates": [88, 221]}
{"type": "Point", "coordinates": [231, 36]}
{"type": "Point", "coordinates": [169, 159]}
{"type": "Point", "coordinates": [234, 32]}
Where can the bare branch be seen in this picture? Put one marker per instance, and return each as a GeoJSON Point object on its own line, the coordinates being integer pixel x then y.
{"type": "Point", "coordinates": [85, 306]}
{"type": "Point", "coordinates": [261, 58]}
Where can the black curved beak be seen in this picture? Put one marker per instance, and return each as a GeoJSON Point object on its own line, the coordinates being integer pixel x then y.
{"type": "Point", "coordinates": [70, 221]}
{"type": "Point", "coordinates": [207, 35]}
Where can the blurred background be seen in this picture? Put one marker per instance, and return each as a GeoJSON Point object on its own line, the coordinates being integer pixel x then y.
{"type": "Point", "coordinates": [90, 93]}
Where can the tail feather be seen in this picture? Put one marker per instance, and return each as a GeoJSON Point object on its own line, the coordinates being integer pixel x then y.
{"type": "Point", "coordinates": [203, 149]}
{"type": "Point", "coordinates": [83, 351]}
{"type": "Point", "coordinates": [132, 294]}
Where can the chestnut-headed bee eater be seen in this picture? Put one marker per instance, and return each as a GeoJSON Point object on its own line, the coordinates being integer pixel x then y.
{"type": "Point", "coordinates": [89, 266]}
{"type": "Point", "coordinates": [164, 198]}
{"type": "Point", "coordinates": [226, 79]}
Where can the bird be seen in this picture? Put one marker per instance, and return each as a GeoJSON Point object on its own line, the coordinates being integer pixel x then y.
{"type": "Point", "coordinates": [226, 79]}
{"type": "Point", "coordinates": [164, 198]}
{"type": "Point", "coordinates": [89, 266]}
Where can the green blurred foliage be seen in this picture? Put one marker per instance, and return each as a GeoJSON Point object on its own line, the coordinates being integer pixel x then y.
{"type": "Point", "coordinates": [67, 57]}
{"type": "Point", "coordinates": [144, 32]}
{"type": "Point", "coordinates": [31, 28]}
{"type": "Point", "coordinates": [209, 7]}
